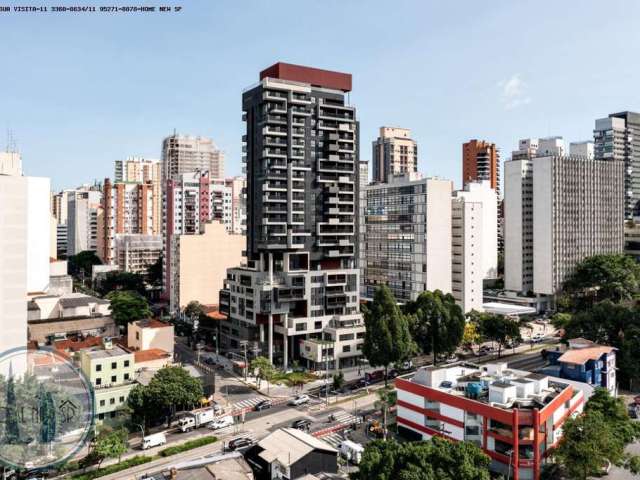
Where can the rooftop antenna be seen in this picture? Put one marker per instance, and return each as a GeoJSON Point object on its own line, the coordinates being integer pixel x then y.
{"type": "Point", "coordinates": [11, 142]}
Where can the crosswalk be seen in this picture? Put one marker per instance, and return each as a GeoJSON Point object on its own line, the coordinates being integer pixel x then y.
{"type": "Point", "coordinates": [341, 417]}
{"type": "Point", "coordinates": [340, 420]}
{"type": "Point", "coordinates": [247, 403]}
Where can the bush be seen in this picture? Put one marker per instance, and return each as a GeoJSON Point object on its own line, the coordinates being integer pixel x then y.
{"type": "Point", "coordinates": [190, 445]}
{"type": "Point", "coordinates": [117, 467]}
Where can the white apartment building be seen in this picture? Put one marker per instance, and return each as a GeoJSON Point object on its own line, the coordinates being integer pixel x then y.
{"type": "Point", "coordinates": [186, 153]}
{"type": "Point", "coordinates": [466, 253]}
{"type": "Point", "coordinates": [135, 253]}
{"type": "Point", "coordinates": [24, 248]}
{"type": "Point", "coordinates": [407, 236]}
{"type": "Point", "coordinates": [558, 210]}
{"type": "Point", "coordinates": [83, 207]}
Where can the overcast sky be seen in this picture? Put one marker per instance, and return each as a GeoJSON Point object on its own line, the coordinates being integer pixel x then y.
{"type": "Point", "coordinates": [79, 91]}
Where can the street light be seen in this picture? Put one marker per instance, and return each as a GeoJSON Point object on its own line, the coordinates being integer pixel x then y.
{"type": "Point", "coordinates": [141, 429]}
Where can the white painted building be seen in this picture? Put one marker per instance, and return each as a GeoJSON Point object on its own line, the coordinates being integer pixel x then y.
{"type": "Point", "coordinates": [466, 253]}
{"type": "Point", "coordinates": [83, 207]}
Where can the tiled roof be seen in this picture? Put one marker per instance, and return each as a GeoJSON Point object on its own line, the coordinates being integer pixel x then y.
{"type": "Point", "coordinates": [150, 355]}
{"type": "Point", "coordinates": [578, 356]}
{"type": "Point", "coordinates": [76, 345]}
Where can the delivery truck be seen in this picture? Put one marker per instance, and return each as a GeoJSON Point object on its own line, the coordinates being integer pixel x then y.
{"type": "Point", "coordinates": [154, 440]}
{"type": "Point", "coordinates": [351, 451]}
{"type": "Point", "coordinates": [196, 419]}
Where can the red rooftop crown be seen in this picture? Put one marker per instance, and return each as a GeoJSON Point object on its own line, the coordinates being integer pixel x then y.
{"type": "Point", "coordinates": [313, 76]}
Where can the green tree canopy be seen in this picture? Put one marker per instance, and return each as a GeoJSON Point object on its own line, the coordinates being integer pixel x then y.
{"type": "Point", "coordinates": [128, 307]}
{"type": "Point", "coordinates": [194, 310]}
{"type": "Point", "coordinates": [614, 277]}
{"type": "Point", "coordinates": [81, 263]}
{"type": "Point", "coordinates": [263, 368]}
{"type": "Point", "coordinates": [614, 411]}
{"type": "Point", "coordinates": [154, 273]}
{"type": "Point", "coordinates": [387, 339]}
{"type": "Point", "coordinates": [437, 323]}
{"type": "Point", "coordinates": [110, 444]}
{"type": "Point", "coordinates": [588, 443]}
{"type": "Point", "coordinates": [436, 459]}
{"type": "Point", "coordinates": [127, 281]}
{"type": "Point", "coordinates": [499, 329]}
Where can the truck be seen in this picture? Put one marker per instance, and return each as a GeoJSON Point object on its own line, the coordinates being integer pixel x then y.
{"type": "Point", "coordinates": [197, 419]}
{"type": "Point", "coordinates": [154, 440]}
{"type": "Point", "coordinates": [351, 451]}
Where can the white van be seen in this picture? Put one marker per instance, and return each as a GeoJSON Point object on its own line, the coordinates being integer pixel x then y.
{"type": "Point", "coordinates": [351, 451]}
{"type": "Point", "coordinates": [154, 440]}
{"type": "Point", "coordinates": [221, 422]}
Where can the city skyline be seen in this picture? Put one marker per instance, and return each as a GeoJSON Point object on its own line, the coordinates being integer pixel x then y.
{"type": "Point", "coordinates": [99, 89]}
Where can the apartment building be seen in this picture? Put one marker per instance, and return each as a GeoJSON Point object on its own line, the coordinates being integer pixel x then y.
{"type": "Point", "coordinates": [198, 265]}
{"type": "Point", "coordinates": [466, 253]}
{"type": "Point", "coordinates": [128, 208]}
{"type": "Point", "coordinates": [83, 211]}
{"type": "Point", "coordinates": [238, 222]}
{"type": "Point", "coordinates": [362, 208]}
{"type": "Point", "coordinates": [137, 170]}
{"type": "Point", "coordinates": [135, 253]}
{"type": "Point", "coordinates": [394, 153]}
{"type": "Point", "coordinates": [299, 288]}
{"type": "Point", "coordinates": [24, 248]}
{"type": "Point", "coordinates": [481, 161]}
{"type": "Point", "coordinates": [559, 209]}
{"type": "Point", "coordinates": [514, 416]}
{"type": "Point", "coordinates": [185, 153]}
{"type": "Point", "coordinates": [617, 138]}
{"type": "Point", "coordinates": [407, 236]}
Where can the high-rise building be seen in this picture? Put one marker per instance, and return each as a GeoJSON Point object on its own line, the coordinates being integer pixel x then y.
{"type": "Point", "coordinates": [138, 170]}
{"type": "Point", "coordinates": [362, 208]}
{"type": "Point", "coordinates": [394, 153]}
{"type": "Point", "coordinates": [128, 208]}
{"type": "Point", "coordinates": [617, 137]}
{"type": "Point", "coordinates": [186, 154]}
{"type": "Point", "coordinates": [24, 248]}
{"type": "Point", "coordinates": [83, 210]}
{"type": "Point", "coordinates": [407, 237]}
{"type": "Point", "coordinates": [475, 240]}
{"type": "Point", "coordinates": [481, 161]}
{"type": "Point", "coordinates": [559, 210]}
{"type": "Point", "coordinates": [238, 186]}
{"type": "Point", "coordinates": [135, 253]}
{"type": "Point", "coordinates": [297, 298]}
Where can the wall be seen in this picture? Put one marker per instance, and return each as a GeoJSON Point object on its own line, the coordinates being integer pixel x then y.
{"type": "Point", "coordinates": [543, 256]}
{"type": "Point", "coordinates": [514, 268]}
{"type": "Point", "coordinates": [38, 233]}
{"type": "Point", "coordinates": [439, 235]}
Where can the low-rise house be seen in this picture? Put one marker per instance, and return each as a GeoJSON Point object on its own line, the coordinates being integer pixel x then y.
{"type": "Point", "coordinates": [290, 453]}
{"type": "Point", "coordinates": [150, 334]}
{"type": "Point", "coordinates": [585, 361]}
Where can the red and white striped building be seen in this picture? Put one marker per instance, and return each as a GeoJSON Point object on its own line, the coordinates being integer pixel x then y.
{"type": "Point", "coordinates": [514, 416]}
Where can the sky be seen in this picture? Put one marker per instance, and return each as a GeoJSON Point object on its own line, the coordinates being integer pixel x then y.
{"type": "Point", "coordinates": [79, 91]}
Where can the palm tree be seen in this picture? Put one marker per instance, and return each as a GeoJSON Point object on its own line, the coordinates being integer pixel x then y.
{"type": "Point", "coordinates": [386, 399]}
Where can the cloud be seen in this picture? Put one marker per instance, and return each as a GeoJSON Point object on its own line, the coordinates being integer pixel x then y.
{"type": "Point", "coordinates": [513, 92]}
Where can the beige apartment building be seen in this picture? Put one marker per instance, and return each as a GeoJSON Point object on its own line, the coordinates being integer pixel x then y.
{"type": "Point", "coordinates": [199, 264]}
{"type": "Point", "coordinates": [186, 153]}
{"type": "Point", "coordinates": [394, 153]}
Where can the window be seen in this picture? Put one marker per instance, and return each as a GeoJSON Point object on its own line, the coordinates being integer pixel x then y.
{"type": "Point", "coordinates": [98, 368]}
{"type": "Point", "coordinates": [301, 327]}
{"type": "Point", "coordinates": [137, 335]}
{"type": "Point", "coordinates": [112, 401]}
{"type": "Point", "coordinates": [114, 365]}
{"type": "Point", "coordinates": [126, 363]}
{"type": "Point", "coordinates": [126, 376]}
{"type": "Point", "coordinates": [101, 416]}
{"type": "Point", "coordinates": [98, 381]}
{"type": "Point", "coordinates": [346, 348]}
{"type": "Point", "coordinates": [114, 378]}
{"type": "Point", "coordinates": [102, 403]}
{"type": "Point", "coordinates": [121, 399]}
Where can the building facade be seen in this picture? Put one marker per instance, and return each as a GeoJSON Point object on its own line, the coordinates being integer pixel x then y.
{"type": "Point", "coordinates": [138, 170]}
{"type": "Point", "coordinates": [83, 211]}
{"type": "Point", "coordinates": [617, 137]}
{"type": "Point", "coordinates": [558, 210]}
{"type": "Point", "coordinates": [136, 253]}
{"type": "Point", "coordinates": [407, 236]}
{"type": "Point", "coordinates": [481, 161]}
{"type": "Point", "coordinates": [394, 153]}
{"type": "Point", "coordinates": [515, 417]}
{"type": "Point", "coordinates": [300, 285]}
{"type": "Point", "coordinates": [186, 153]}
{"type": "Point", "coordinates": [466, 253]}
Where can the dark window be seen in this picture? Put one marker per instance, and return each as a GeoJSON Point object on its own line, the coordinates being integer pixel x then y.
{"type": "Point", "coordinates": [126, 376]}
{"type": "Point", "coordinates": [98, 381]}
{"type": "Point", "coordinates": [102, 403]}
{"type": "Point", "coordinates": [112, 401]}
{"type": "Point", "coordinates": [114, 365]}
{"type": "Point", "coordinates": [126, 363]}
{"type": "Point", "coordinates": [98, 368]}
{"type": "Point", "coordinates": [114, 379]}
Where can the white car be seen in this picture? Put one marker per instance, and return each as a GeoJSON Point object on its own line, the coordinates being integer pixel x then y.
{"type": "Point", "coordinates": [537, 337]}
{"type": "Point", "coordinates": [221, 422]}
{"type": "Point", "coordinates": [299, 400]}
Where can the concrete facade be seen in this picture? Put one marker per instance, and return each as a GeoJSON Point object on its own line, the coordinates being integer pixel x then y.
{"type": "Point", "coordinates": [466, 249]}
{"type": "Point", "coordinates": [481, 161]}
{"type": "Point", "coordinates": [186, 153]}
{"type": "Point", "coordinates": [393, 153]}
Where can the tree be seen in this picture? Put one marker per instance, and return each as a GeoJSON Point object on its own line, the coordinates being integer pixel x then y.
{"type": "Point", "coordinates": [499, 329]}
{"type": "Point", "coordinates": [110, 444]}
{"type": "Point", "coordinates": [614, 411]}
{"type": "Point", "coordinates": [614, 277]}
{"type": "Point", "coordinates": [387, 339]}
{"type": "Point", "coordinates": [264, 370]}
{"type": "Point", "coordinates": [471, 336]}
{"type": "Point", "coordinates": [80, 264]}
{"type": "Point", "coordinates": [154, 273]}
{"type": "Point", "coordinates": [128, 307]}
{"type": "Point", "coordinates": [436, 459]}
{"type": "Point", "coordinates": [587, 445]}
{"type": "Point", "coordinates": [127, 281]}
{"type": "Point", "coordinates": [12, 427]}
{"type": "Point", "coordinates": [437, 323]}
{"type": "Point", "coordinates": [171, 389]}
{"type": "Point", "coordinates": [194, 310]}
{"type": "Point", "coordinates": [386, 399]}
{"type": "Point", "coordinates": [338, 380]}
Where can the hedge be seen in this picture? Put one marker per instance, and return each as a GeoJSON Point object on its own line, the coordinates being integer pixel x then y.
{"type": "Point", "coordinates": [190, 445]}
{"type": "Point", "coordinates": [116, 467]}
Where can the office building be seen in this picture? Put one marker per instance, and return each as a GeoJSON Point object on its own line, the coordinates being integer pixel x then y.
{"type": "Point", "coordinates": [559, 210]}
{"type": "Point", "coordinates": [514, 416]}
{"type": "Point", "coordinates": [135, 253]}
{"type": "Point", "coordinates": [83, 210]}
{"type": "Point", "coordinates": [582, 149]}
{"type": "Point", "coordinates": [184, 154]}
{"type": "Point", "coordinates": [24, 248]}
{"type": "Point", "coordinates": [128, 208]}
{"type": "Point", "coordinates": [198, 265]}
{"type": "Point", "coordinates": [394, 153]}
{"type": "Point", "coordinates": [617, 137]}
{"type": "Point", "coordinates": [407, 236]}
{"type": "Point", "coordinates": [299, 290]}
{"type": "Point", "coordinates": [481, 161]}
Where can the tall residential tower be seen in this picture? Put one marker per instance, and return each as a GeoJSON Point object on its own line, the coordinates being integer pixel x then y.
{"type": "Point", "coordinates": [394, 153]}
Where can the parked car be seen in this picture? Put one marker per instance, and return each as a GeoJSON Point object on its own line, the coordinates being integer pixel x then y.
{"type": "Point", "coordinates": [209, 361]}
{"type": "Point", "coordinates": [299, 400]}
{"type": "Point", "coordinates": [537, 338]}
{"type": "Point", "coordinates": [375, 376]}
{"type": "Point", "coordinates": [221, 422]}
{"type": "Point", "coordinates": [263, 405]}
{"type": "Point", "coordinates": [154, 440]}
{"type": "Point", "coordinates": [302, 424]}
{"type": "Point", "coordinates": [393, 373]}
{"type": "Point", "coordinates": [485, 350]}
{"type": "Point", "coordinates": [446, 384]}
{"type": "Point", "coordinates": [241, 442]}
